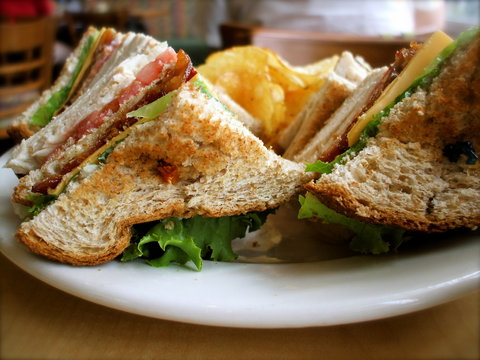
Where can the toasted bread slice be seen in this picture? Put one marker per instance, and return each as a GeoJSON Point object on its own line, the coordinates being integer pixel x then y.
{"type": "Point", "coordinates": [403, 177]}
{"type": "Point", "coordinates": [194, 159]}
{"type": "Point", "coordinates": [320, 107]}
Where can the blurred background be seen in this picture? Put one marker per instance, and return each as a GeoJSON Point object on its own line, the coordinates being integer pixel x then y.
{"type": "Point", "coordinates": [301, 31]}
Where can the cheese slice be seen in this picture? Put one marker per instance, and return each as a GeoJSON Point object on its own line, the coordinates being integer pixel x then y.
{"type": "Point", "coordinates": [430, 49]}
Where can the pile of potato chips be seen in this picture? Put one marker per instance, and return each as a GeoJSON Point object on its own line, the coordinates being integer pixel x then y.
{"type": "Point", "coordinates": [265, 85]}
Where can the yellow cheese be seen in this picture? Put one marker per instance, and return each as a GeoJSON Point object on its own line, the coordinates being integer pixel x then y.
{"type": "Point", "coordinates": [430, 49]}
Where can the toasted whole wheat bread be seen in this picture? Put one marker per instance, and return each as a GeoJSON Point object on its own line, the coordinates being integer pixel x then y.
{"type": "Point", "coordinates": [402, 178]}
{"type": "Point", "coordinates": [219, 169]}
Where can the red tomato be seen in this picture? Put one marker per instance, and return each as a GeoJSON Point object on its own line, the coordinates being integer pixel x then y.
{"type": "Point", "coordinates": [151, 71]}
{"type": "Point", "coordinates": [92, 121]}
{"type": "Point", "coordinates": [130, 91]}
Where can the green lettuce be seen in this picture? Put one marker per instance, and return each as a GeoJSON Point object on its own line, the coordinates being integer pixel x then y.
{"type": "Point", "coordinates": [45, 113]}
{"type": "Point", "coordinates": [40, 202]}
{"type": "Point", "coordinates": [102, 158]}
{"type": "Point", "coordinates": [368, 238]}
{"type": "Point", "coordinates": [424, 81]}
{"type": "Point", "coordinates": [203, 87]}
{"type": "Point", "coordinates": [177, 240]}
{"type": "Point", "coordinates": [152, 110]}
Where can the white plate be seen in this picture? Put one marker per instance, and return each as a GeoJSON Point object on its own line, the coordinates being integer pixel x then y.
{"type": "Point", "coordinates": [325, 292]}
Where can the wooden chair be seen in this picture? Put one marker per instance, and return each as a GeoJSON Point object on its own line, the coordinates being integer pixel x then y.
{"type": "Point", "coordinates": [26, 57]}
{"type": "Point", "coordinates": [302, 47]}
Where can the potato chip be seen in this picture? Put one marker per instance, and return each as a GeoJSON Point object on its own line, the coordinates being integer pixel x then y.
{"type": "Point", "coordinates": [264, 84]}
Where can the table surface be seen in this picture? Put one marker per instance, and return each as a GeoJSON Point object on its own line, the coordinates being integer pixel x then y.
{"type": "Point", "coordinates": [41, 322]}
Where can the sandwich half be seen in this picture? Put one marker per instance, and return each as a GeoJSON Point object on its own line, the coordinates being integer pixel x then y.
{"type": "Point", "coordinates": [411, 158]}
{"type": "Point", "coordinates": [185, 158]}
{"type": "Point", "coordinates": [88, 136]}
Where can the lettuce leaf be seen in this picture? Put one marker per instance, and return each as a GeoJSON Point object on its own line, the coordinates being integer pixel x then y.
{"type": "Point", "coordinates": [368, 239]}
{"type": "Point", "coordinates": [176, 240]}
{"type": "Point", "coordinates": [152, 110]}
{"type": "Point", "coordinates": [203, 87]}
{"type": "Point", "coordinates": [40, 202]}
{"type": "Point", "coordinates": [45, 113]}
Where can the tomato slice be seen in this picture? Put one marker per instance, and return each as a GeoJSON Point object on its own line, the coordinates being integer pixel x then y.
{"type": "Point", "coordinates": [151, 71]}
{"type": "Point", "coordinates": [129, 92]}
{"type": "Point", "coordinates": [90, 122]}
